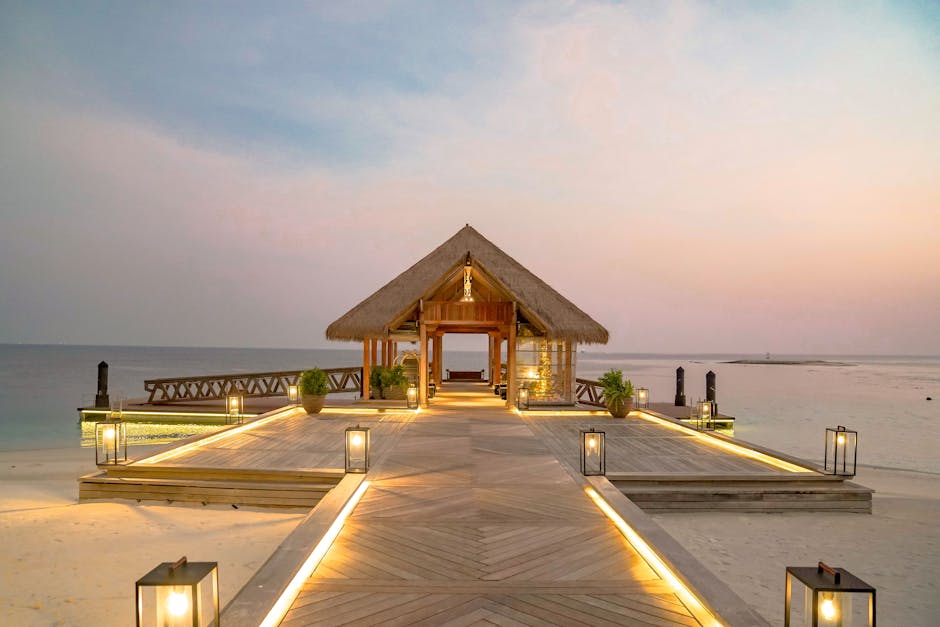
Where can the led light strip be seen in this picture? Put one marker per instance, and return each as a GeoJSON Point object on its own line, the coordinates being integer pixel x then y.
{"type": "Point", "coordinates": [132, 412]}
{"type": "Point", "coordinates": [727, 446]}
{"type": "Point", "coordinates": [159, 457]}
{"type": "Point", "coordinates": [697, 609]}
{"type": "Point", "coordinates": [287, 598]}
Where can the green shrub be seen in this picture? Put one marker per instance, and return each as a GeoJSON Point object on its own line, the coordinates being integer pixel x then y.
{"type": "Point", "coordinates": [615, 386]}
{"type": "Point", "coordinates": [394, 377]}
{"type": "Point", "coordinates": [313, 383]}
{"type": "Point", "coordinates": [376, 377]}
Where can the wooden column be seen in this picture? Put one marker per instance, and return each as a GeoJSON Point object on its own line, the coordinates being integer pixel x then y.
{"type": "Point", "coordinates": [511, 365]}
{"type": "Point", "coordinates": [569, 372]}
{"type": "Point", "coordinates": [366, 368]}
{"type": "Point", "coordinates": [375, 352]}
{"type": "Point", "coordinates": [438, 358]}
{"type": "Point", "coordinates": [394, 351]}
{"type": "Point", "coordinates": [423, 365]}
{"type": "Point", "coordinates": [498, 359]}
{"type": "Point", "coordinates": [489, 357]}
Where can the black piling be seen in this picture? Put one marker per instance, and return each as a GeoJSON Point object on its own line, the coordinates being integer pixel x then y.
{"type": "Point", "coordinates": [710, 386]}
{"type": "Point", "coordinates": [102, 400]}
{"type": "Point", "coordinates": [680, 387]}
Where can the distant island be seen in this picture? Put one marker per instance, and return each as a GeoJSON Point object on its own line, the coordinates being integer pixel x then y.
{"type": "Point", "coordinates": [789, 362]}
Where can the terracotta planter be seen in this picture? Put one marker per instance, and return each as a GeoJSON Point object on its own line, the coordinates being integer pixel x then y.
{"type": "Point", "coordinates": [313, 404]}
{"type": "Point", "coordinates": [620, 408]}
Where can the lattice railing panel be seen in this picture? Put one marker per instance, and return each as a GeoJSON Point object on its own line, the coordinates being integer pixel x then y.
{"type": "Point", "coordinates": [250, 385]}
{"type": "Point", "coordinates": [589, 392]}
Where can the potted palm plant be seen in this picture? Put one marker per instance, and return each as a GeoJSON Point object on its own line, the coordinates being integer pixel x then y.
{"type": "Point", "coordinates": [618, 393]}
{"type": "Point", "coordinates": [313, 389]}
{"type": "Point", "coordinates": [394, 383]}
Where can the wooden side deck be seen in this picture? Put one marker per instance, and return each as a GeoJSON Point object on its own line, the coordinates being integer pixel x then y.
{"type": "Point", "coordinates": [287, 459]}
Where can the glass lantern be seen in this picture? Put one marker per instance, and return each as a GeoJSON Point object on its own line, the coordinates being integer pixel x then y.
{"type": "Point", "coordinates": [706, 415]}
{"type": "Point", "coordinates": [642, 398]}
{"type": "Point", "coordinates": [841, 451]}
{"type": "Point", "coordinates": [522, 398]}
{"type": "Point", "coordinates": [111, 441]}
{"type": "Point", "coordinates": [832, 597]}
{"type": "Point", "coordinates": [593, 453]}
{"type": "Point", "coordinates": [411, 397]}
{"type": "Point", "coordinates": [293, 394]}
{"type": "Point", "coordinates": [357, 449]}
{"type": "Point", "coordinates": [179, 594]}
{"type": "Point", "coordinates": [235, 407]}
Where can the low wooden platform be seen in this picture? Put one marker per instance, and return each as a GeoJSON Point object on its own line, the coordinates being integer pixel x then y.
{"type": "Point", "coordinates": [287, 459]}
{"type": "Point", "coordinates": [678, 469]}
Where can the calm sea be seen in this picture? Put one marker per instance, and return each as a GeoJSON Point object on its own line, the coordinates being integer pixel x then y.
{"type": "Point", "coordinates": [783, 407]}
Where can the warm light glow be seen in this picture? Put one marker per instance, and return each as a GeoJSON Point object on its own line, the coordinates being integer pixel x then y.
{"type": "Point", "coordinates": [277, 612]}
{"type": "Point", "coordinates": [697, 609]}
{"type": "Point", "coordinates": [828, 609]}
{"type": "Point", "coordinates": [175, 452]}
{"type": "Point", "coordinates": [641, 395]}
{"type": "Point", "coordinates": [356, 439]}
{"type": "Point", "coordinates": [531, 373]}
{"type": "Point", "coordinates": [233, 403]}
{"type": "Point", "coordinates": [730, 447]}
{"type": "Point", "coordinates": [592, 442]}
{"type": "Point", "coordinates": [177, 604]}
{"type": "Point", "coordinates": [293, 392]}
{"type": "Point", "coordinates": [840, 439]}
{"type": "Point", "coordinates": [108, 433]}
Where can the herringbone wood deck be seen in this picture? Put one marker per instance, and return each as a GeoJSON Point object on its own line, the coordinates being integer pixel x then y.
{"type": "Point", "coordinates": [471, 520]}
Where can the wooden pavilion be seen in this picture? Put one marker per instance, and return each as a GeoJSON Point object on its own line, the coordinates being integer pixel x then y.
{"type": "Point", "coordinates": [468, 285]}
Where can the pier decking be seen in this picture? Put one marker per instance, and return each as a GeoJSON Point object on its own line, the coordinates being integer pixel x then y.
{"type": "Point", "coordinates": [474, 514]}
{"type": "Point", "coordinates": [472, 519]}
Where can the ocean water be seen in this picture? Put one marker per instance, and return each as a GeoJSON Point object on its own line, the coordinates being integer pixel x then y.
{"type": "Point", "coordinates": [783, 407]}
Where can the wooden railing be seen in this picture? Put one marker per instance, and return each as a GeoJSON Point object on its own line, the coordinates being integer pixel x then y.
{"type": "Point", "coordinates": [249, 385]}
{"type": "Point", "coordinates": [589, 392]}
{"type": "Point", "coordinates": [447, 311]}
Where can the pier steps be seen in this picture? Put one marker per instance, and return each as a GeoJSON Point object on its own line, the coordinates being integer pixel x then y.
{"type": "Point", "coordinates": [811, 493]}
{"type": "Point", "coordinates": [192, 485]}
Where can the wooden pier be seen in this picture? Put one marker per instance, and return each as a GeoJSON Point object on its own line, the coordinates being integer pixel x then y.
{"type": "Point", "coordinates": [473, 513]}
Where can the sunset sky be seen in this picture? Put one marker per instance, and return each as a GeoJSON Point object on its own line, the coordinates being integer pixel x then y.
{"type": "Point", "coordinates": [698, 177]}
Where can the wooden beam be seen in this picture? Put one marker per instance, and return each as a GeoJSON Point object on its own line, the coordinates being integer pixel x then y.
{"type": "Point", "coordinates": [366, 368]}
{"type": "Point", "coordinates": [423, 365]}
{"type": "Point", "coordinates": [569, 372]}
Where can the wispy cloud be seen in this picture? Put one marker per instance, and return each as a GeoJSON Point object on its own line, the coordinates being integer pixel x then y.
{"type": "Point", "coordinates": [697, 177]}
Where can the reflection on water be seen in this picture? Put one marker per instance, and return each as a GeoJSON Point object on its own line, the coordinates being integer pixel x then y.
{"type": "Point", "coordinates": [140, 433]}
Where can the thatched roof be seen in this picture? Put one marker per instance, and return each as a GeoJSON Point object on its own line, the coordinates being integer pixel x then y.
{"type": "Point", "coordinates": [558, 317]}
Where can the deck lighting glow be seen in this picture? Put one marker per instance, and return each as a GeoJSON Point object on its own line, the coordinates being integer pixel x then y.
{"type": "Point", "coordinates": [695, 607]}
{"type": "Point", "coordinates": [179, 594]}
{"type": "Point", "coordinates": [642, 398]}
{"type": "Point", "coordinates": [730, 447]}
{"type": "Point", "coordinates": [841, 451]}
{"type": "Point", "coordinates": [287, 598]}
{"type": "Point", "coordinates": [110, 441]}
{"type": "Point", "coordinates": [831, 597]}
{"type": "Point", "coordinates": [357, 449]}
{"type": "Point", "coordinates": [293, 394]}
{"type": "Point", "coordinates": [212, 439]}
{"type": "Point", "coordinates": [593, 453]}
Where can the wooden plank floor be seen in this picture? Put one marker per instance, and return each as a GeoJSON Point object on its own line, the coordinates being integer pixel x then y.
{"type": "Point", "coordinates": [637, 446]}
{"type": "Point", "coordinates": [298, 442]}
{"type": "Point", "coordinates": [472, 520]}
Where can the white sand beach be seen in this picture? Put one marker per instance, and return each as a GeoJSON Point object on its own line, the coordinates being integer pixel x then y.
{"type": "Point", "coordinates": [75, 564]}
{"type": "Point", "coordinates": [66, 563]}
{"type": "Point", "coordinates": [896, 549]}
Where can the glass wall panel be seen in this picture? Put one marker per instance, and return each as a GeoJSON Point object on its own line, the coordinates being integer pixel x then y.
{"type": "Point", "coordinates": [541, 367]}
